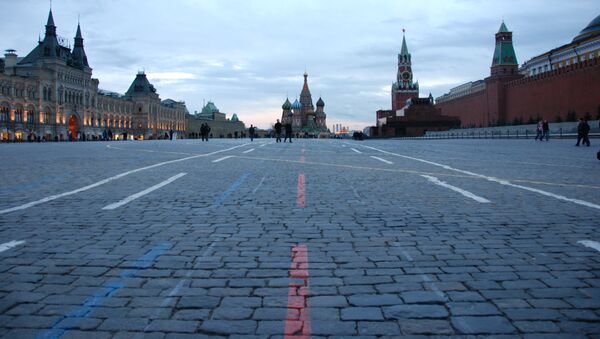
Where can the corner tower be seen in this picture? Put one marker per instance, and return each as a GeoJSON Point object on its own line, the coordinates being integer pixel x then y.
{"type": "Point", "coordinates": [404, 88]}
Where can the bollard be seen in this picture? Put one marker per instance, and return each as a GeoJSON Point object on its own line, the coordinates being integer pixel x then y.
{"type": "Point", "coordinates": [526, 134]}
{"type": "Point", "coordinates": [561, 132]}
{"type": "Point", "coordinates": [517, 134]}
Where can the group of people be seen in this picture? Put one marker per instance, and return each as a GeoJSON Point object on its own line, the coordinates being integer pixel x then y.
{"type": "Point", "coordinates": [288, 131]}
{"type": "Point", "coordinates": [543, 130]}
{"type": "Point", "coordinates": [204, 131]}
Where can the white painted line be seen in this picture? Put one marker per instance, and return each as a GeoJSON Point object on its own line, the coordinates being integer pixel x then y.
{"type": "Point", "coordinates": [223, 158]}
{"type": "Point", "coordinates": [386, 161]}
{"type": "Point", "coordinates": [258, 186]}
{"type": "Point", "coordinates": [493, 179]}
{"type": "Point", "coordinates": [107, 180]}
{"type": "Point", "coordinates": [456, 189]}
{"type": "Point", "coordinates": [355, 150]}
{"type": "Point", "coordinates": [142, 193]}
{"type": "Point", "coordinates": [8, 245]}
{"type": "Point", "coordinates": [248, 151]}
{"type": "Point", "coordinates": [591, 244]}
{"type": "Point", "coordinates": [265, 144]}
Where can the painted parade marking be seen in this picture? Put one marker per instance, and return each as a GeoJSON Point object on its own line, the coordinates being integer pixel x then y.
{"type": "Point", "coordinates": [221, 198]}
{"type": "Point", "coordinates": [248, 151]}
{"type": "Point", "coordinates": [456, 189]}
{"type": "Point", "coordinates": [297, 320]}
{"type": "Point", "coordinates": [383, 160]}
{"type": "Point", "coordinates": [107, 180]}
{"type": "Point", "coordinates": [493, 179]}
{"type": "Point", "coordinates": [258, 186]}
{"type": "Point", "coordinates": [591, 244]}
{"type": "Point", "coordinates": [300, 195]}
{"type": "Point", "coordinates": [355, 150]}
{"type": "Point", "coordinates": [223, 158]}
{"type": "Point", "coordinates": [11, 244]}
{"type": "Point", "coordinates": [142, 193]}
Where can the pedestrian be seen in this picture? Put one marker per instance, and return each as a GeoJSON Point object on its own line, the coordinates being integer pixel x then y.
{"type": "Point", "coordinates": [171, 134]}
{"type": "Point", "coordinates": [207, 132]}
{"type": "Point", "coordinates": [203, 131]}
{"type": "Point", "coordinates": [539, 130]}
{"type": "Point", "coordinates": [288, 132]}
{"type": "Point", "coordinates": [251, 132]}
{"type": "Point", "coordinates": [583, 131]}
{"type": "Point", "coordinates": [278, 131]}
{"type": "Point", "coordinates": [545, 129]}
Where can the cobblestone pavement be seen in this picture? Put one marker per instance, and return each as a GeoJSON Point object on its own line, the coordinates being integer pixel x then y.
{"type": "Point", "coordinates": [319, 238]}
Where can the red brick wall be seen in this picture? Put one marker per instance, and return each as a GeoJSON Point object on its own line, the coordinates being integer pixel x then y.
{"type": "Point", "coordinates": [470, 109]}
{"type": "Point", "coordinates": [573, 88]}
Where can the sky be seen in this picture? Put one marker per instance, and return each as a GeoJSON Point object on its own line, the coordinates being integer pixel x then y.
{"type": "Point", "coordinates": [246, 56]}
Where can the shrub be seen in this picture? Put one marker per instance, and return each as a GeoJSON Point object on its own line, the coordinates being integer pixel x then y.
{"type": "Point", "coordinates": [571, 116]}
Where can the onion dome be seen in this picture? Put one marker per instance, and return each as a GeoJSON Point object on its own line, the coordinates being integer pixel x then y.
{"type": "Point", "coordinates": [296, 105]}
{"type": "Point", "coordinates": [320, 102]}
{"type": "Point", "coordinates": [287, 105]}
{"type": "Point", "coordinates": [592, 29]}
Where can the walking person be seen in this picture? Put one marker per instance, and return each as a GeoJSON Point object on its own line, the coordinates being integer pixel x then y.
{"type": "Point", "coordinates": [539, 130]}
{"type": "Point", "coordinates": [278, 131]}
{"type": "Point", "coordinates": [583, 131]}
{"type": "Point", "coordinates": [545, 129]}
{"type": "Point", "coordinates": [202, 131]}
{"type": "Point", "coordinates": [251, 131]}
{"type": "Point", "coordinates": [288, 132]}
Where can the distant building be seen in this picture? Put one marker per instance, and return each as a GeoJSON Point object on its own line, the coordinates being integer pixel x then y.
{"type": "Point", "coordinates": [302, 115]}
{"type": "Point", "coordinates": [410, 115]}
{"type": "Point", "coordinates": [50, 94]}
{"type": "Point", "coordinates": [557, 85]}
{"type": "Point", "coordinates": [220, 126]}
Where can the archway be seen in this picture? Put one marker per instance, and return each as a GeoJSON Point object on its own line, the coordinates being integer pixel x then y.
{"type": "Point", "coordinates": [73, 127]}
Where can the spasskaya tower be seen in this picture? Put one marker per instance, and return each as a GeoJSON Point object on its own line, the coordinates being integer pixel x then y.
{"type": "Point", "coordinates": [404, 88]}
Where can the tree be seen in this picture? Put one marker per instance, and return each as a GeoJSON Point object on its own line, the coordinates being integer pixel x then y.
{"type": "Point", "coordinates": [558, 118]}
{"type": "Point", "coordinates": [572, 116]}
{"type": "Point", "coordinates": [587, 116]}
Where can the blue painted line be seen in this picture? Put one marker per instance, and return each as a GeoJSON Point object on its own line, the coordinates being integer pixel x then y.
{"type": "Point", "coordinates": [106, 291]}
{"type": "Point", "coordinates": [220, 199]}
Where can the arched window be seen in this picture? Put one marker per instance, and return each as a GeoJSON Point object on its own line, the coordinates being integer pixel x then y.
{"type": "Point", "coordinates": [30, 114]}
{"type": "Point", "coordinates": [19, 114]}
{"type": "Point", "coordinates": [48, 116]}
{"type": "Point", "coordinates": [4, 112]}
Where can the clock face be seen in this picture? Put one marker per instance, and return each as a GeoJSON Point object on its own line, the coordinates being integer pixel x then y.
{"type": "Point", "coordinates": [406, 75]}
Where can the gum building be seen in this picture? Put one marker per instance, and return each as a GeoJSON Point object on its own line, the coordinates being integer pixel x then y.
{"type": "Point", "coordinates": [50, 94]}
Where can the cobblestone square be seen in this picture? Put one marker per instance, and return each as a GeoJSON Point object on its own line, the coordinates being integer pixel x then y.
{"type": "Point", "coordinates": [315, 238]}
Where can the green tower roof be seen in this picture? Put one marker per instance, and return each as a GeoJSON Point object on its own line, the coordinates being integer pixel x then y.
{"type": "Point", "coordinates": [404, 50]}
{"type": "Point", "coordinates": [504, 54]}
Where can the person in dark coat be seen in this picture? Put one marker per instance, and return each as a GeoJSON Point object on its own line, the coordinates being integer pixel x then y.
{"type": "Point", "coordinates": [251, 131]}
{"type": "Point", "coordinates": [288, 132]}
{"type": "Point", "coordinates": [545, 130]}
{"type": "Point", "coordinates": [583, 131]}
{"type": "Point", "coordinates": [278, 131]}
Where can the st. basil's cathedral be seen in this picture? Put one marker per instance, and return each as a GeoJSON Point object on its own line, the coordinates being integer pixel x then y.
{"type": "Point", "coordinates": [302, 115]}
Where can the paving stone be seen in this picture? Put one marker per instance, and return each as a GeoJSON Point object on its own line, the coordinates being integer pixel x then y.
{"type": "Point", "coordinates": [425, 326]}
{"type": "Point", "coordinates": [229, 326]}
{"type": "Point", "coordinates": [482, 325]}
{"type": "Point", "coordinates": [421, 297]}
{"type": "Point", "coordinates": [415, 311]}
{"type": "Point", "coordinates": [378, 328]}
{"type": "Point", "coordinates": [374, 300]}
{"type": "Point", "coordinates": [170, 326]}
{"type": "Point", "coordinates": [361, 313]}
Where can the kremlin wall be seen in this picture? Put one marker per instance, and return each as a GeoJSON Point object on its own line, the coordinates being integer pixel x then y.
{"type": "Point", "coordinates": [568, 80]}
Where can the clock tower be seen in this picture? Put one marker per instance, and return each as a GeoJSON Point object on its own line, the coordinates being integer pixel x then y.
{"type": "Point", "coordinates": [404, 88]}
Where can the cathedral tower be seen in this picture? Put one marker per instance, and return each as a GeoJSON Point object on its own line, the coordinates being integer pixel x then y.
{"type": "Point", "coordinates": [404, 88]}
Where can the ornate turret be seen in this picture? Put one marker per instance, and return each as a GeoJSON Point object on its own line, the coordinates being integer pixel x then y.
{"type": "Point", "coordinates": [50, 45]}
{"type": "Point", "coordinates": [141, 86]}
{"type": "Point", "coordinates": [287, 115]}
{"type": "Point", "coordinates": [287, 105]}
{"type": "Point", "coordinates": [305, 97]}
{"type": "Point", "coordinates": [504, 62]}
{"type": "Point", "coordinates": [78, 55]}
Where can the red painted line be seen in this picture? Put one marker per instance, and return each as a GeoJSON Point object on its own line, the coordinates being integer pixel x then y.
{"type": "Point", "coordinates": [300, 193]}
{"type": "Point", "coordinates": [297, 320]}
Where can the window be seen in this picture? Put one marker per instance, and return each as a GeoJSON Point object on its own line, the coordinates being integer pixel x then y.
{"type": "Point", "coordinates": [19, 115]}
{"type": "Point", "coordinates": [4, 113]}
{"type": "Point", "coordinates": [30, 116]}
{"type": "Point", "coordinates": [48, 117]}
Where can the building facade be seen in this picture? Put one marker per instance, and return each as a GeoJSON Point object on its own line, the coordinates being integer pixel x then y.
{"type": "Point", "coordinates": [558, 85]}
{"type": "Point", "coordinates": [220, 126]}
{"type": "Point", "coordinates": [50, 94]}
{"type": "Point", "coordinates": [302, 115]}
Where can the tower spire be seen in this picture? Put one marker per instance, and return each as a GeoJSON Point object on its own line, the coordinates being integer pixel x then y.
{"type": "Point", "coordinates": [404, 50]}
